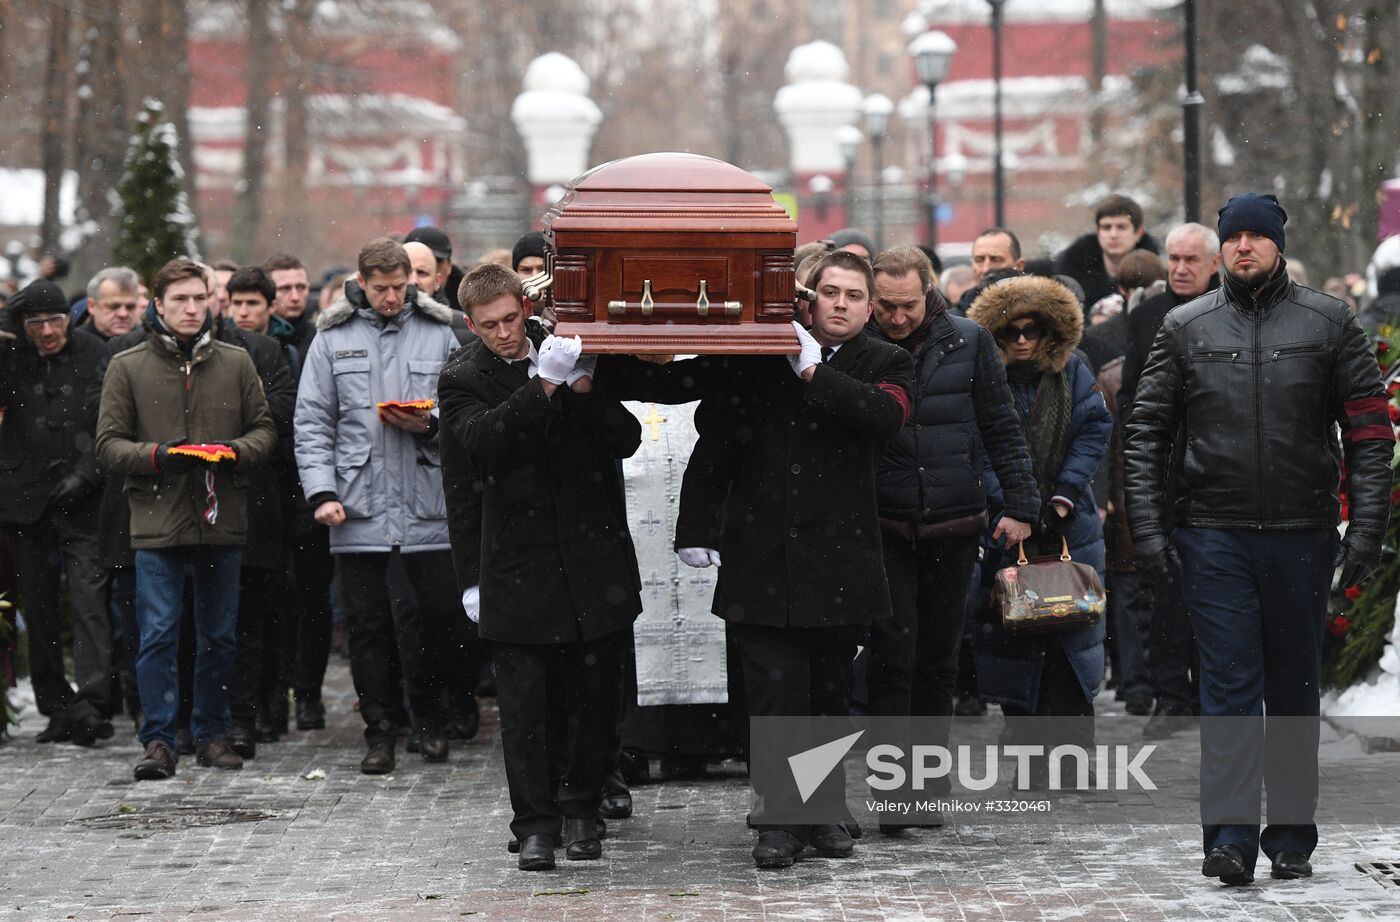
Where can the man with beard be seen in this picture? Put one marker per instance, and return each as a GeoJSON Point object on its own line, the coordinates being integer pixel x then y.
{"type": "Point", "coordinates": [1271, 372]}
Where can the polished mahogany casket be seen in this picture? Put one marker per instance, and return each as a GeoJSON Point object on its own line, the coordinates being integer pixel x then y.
{"type": "Point", "coordinates": [671, 253]}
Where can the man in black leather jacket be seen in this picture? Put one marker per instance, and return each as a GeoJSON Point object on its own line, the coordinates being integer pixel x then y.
{"type": "Point", "coordinates": [1269, 370]}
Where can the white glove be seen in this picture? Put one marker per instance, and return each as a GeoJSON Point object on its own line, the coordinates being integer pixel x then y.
{"type": "Point", "coordinates": [698, 556]}
{"type": "Point", "coordinates": [811, 353]}
{"type": "Point", "coordinates": [583, 368]}
{"type": "Point", "coordinates": [471, 604]}
{"type": "Point", "coordinates": [558, 357]}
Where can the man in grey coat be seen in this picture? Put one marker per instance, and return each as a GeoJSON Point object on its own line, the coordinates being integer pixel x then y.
{"type": "Point", "coordinates": [371, 471]}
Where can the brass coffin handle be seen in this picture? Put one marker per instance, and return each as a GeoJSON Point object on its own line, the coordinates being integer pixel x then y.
{"type": "Point", "coordinates": [702, 303]}
{"type": "Point", "coordinates": [733, 308]}
{"type": "Point", "coordinates": [648, 302]}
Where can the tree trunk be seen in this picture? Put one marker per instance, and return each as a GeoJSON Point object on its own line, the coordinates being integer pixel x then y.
{"type": "Point", "coordinates": [247, 211]}
{"type": "Point", "coordinates": [296, 82]}
{"type": "Point", "coordinates": [100, 135]}
{"type": "Point", "coordinates": [54, 130]}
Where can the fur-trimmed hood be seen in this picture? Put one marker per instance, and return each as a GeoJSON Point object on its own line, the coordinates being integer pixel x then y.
{"type": "Point", "coordinates": [1012, 299]}
{"type": "Point", "coordinates": [353, 299]}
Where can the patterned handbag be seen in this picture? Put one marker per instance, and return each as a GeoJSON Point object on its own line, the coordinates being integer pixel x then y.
{"type": "Point", "coordinates": [1048, 594]}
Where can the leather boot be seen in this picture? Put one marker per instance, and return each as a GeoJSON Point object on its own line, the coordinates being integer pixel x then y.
{"type": "Point", "coordinates": [537, 853]}
{"type": "Point", "coordinates": [432, 743]}
{"type": "Point", "coordinates": [776, 848]}
{"type": "Point", "coordinates": [580, 840]}
{"type": "Point", "coordinates": [156, 764]}
{"type": "Point", "coordinates": [380, 760]}
{"type": "Point", "coordinates": [617, 799]}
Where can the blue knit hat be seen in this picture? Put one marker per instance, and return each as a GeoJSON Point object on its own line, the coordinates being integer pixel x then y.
{"type": "Point", "coordinates": [1253, 211]}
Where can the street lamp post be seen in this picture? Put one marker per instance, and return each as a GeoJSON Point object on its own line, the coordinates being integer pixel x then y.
{"type": "Point", "coordinates": [998, 170]}
{"type": "Point", "coordinates": [848, 138]}
{"type": "Point", "coordinates": [877, 108]}
{"type": "Point", "coordinates": [1191, 121]}
{"type": "Point", "coordinates": [933, 56]}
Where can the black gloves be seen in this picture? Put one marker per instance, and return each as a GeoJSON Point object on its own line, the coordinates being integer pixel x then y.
{"type": "Point", "coordinates": [166, 463]}
{"type": "Point", "coordinates": [69, 489]}
{"type": "Point", "coordinates": [1358, 556]}
{"type": "Point", "coordinates": [1050, 523]}
{"type": "Point", "coordinates": [1156, 558]}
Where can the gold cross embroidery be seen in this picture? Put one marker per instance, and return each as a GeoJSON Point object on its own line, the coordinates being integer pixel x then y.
{"type": "Point", "coordinates": [654, 420]}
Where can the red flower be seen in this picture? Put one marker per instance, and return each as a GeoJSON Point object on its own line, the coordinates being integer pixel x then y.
{"type": "Point", "coordinates": [1339, 626]}
{"type": "Point", "coordinates": [1382, 347]}
{"type": "Point", "coordinates": [1352, 595]}
{"type": "Point", "coordinates": [1394, 413]}
{"type": "Point", "coordinates": [1394, 386]}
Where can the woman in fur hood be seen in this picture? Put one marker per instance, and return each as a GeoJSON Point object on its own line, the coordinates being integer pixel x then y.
{"type": "Point", "coordinates": [1038, 323]}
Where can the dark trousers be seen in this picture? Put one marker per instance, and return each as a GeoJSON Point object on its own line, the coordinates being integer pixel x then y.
{"type": "Point", "coordinates": [126, 636]}
{"type": "Point", "coordinates": [795, 672]}
{"type": "Point", "coordinates": [914, 654]}
{"type": "Point", "coordinates": [1258, 601]}
{"type": "Point", "coordinates": [1171, 649]}
{"type": "Point", "coordinates": [533, 683]}
{"type": "Point", "coordinates": [1130, 604]}
{"type": "Point", "coordinates": [306, 615]}
{"type": "Point", "coordinates": [379, 625]}
{"type": "Point", "coordinates": [43, 552]}
{"type": "Point", "coordinates": [258, 644]}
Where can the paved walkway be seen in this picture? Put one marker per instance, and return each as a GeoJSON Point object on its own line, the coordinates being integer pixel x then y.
{"type": "Point", "coordinates": [79, 840]}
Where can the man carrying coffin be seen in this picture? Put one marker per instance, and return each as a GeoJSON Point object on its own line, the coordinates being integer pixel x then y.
{"type": "Point", "coordinates": [558, 577]}
{"type": "Point", "coordinates": [788, 449]}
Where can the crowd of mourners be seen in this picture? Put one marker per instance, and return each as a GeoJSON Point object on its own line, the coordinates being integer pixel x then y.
{"type": "Point", "coordinates": [223, 462]}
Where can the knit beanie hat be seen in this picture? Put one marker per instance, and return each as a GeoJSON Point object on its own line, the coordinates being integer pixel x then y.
{"type": "Point", "coordinates": [532, 244]}
{"type": "Point", "coordinates": [1253, 211]}
{"type": "Point", "coordinates": [39, 297]}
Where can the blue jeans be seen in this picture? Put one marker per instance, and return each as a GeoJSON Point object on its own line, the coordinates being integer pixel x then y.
{"type": "Point", "coordinates": [160, 582]}
{"type": "Point", "coordinates": [1258, 600]}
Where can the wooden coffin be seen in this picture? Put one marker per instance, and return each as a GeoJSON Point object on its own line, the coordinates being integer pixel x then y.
{"type": "Point", "coordinates": [671, 253]}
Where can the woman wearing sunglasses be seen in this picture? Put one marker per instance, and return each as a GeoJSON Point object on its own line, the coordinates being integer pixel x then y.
{"type": "Point", "coordinates": [1038, 323]}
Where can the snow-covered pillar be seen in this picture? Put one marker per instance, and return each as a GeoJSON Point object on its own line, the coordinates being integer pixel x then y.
{"type": "Point", "coordinates": [816, 102]}
{"type": "Point", "coordinates": [557, 121]}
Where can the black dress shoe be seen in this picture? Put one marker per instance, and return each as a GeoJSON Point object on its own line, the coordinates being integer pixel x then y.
{"type": "Point", "coordinates": [581, 840]}
{"type": "Point", "coordinates": [379, 761]}
{"type": "Point", "coordinates": [852, 828]}
{"type": "Point", "coordinates": [464, 722]}
{"type": "Point", "coordinates": [832, 840]}
{"type": "Point", "coordinates": [513, 846]}
{"type": "Point", "coordinates": [240, 740]}
{"type": "Point", "coordinates": [1139, 705]}
{"type": "Point", "coordinates": [1165, 721]}
{"type": "Point", "coordinates": [1290, 866]}
{"type": "Point", "coordinates": [311, 715]}
{"type": "Point", "coordinates": [56, 732]}
{"type": "Point", "coordinates": [537, 853]}
{"type": "Point", "coordinates": [1227, 863]}
{"type": "Point", "coordinates": [776, 848]}
{"type": "Point", "coordinates": [415, 742]}
{"type": "Point", "coordinates": [265, 730]}
{"type": "Point", "coordinates": [276, 716]}
{"type": "Point", "coordinates": [617, 799]}
{"type": "Point", "coordinates": [432, 743]}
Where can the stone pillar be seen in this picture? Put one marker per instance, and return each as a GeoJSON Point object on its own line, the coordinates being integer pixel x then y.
{"type": "Point", "coordinates": [557, 121]}
{"type": "Point", "coordinates": [817, 101]}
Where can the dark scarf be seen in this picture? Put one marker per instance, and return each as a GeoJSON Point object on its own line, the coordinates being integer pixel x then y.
{"type": "Point", "coordinates": [185, 347]}
{"type": "Point", "coordinates": [1047, 429]}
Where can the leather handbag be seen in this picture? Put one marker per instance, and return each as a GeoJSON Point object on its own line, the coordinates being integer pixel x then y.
{"type": "Point", "coordinates": [1048, 594]}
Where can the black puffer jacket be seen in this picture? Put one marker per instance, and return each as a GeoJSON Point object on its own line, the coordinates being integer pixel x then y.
{"type": "Point", "coordinates": [1082, 261]}
{"type": "Point", "coordinates": [929, 482]}
{"type": "Point", "coordinates": [1258, 386]}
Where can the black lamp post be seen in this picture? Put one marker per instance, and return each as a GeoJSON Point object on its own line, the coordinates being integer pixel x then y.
{"type": "Point", "coordinates": [998, 171]}
{"type": "Point", "coordinates": [877, 108]}
{"type": "Point", "coordinates": [1191, 121]}
{"type": "Point", "coordinates": [933, 56]}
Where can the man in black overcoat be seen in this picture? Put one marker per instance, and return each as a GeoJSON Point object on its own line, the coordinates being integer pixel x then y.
{"type": "Point", "coordinates": [788, 449]}
{"type": "Point", "coordinates": [558, 585]}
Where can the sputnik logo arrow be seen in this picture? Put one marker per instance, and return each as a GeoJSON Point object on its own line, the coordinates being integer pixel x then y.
{"type": "Point", "coordinates": [810, 767]}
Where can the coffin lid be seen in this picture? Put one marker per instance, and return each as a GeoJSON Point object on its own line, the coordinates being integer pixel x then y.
{"type": "Point", "coordinates": [673, 192]}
